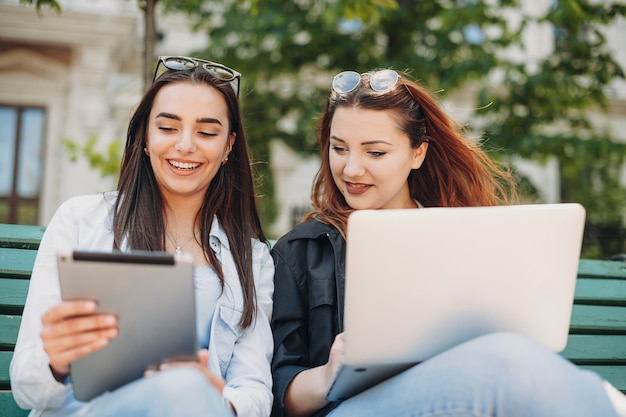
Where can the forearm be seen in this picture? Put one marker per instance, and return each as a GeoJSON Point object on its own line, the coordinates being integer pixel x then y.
{"type": "Point", "coordinates": [306, 392]}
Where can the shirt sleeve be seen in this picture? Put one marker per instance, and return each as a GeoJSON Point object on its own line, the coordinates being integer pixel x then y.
{"type": "Point", "coordinates": [80, 222]}
{"type": "Point", "coordinates": [289, 325]}
{"type": "Point", "coordinates": [32, 382]}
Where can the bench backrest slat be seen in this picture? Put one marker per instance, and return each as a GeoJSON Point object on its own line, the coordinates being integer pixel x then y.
{"type": "Point", "coordinates": [20, 236]}
{"type": "Point", "coordinates": [9, 327]}
{"type": "Point", "coordinates": [598, 319]}
{"type": "Point", "coordinates": [600, 291]}
{"type": "Point", "coordinates": [13, 295]}
{"type": "Point", "coordinates": [597, 350]}
{"type": "Point", "coordinates": [589, 268]}
{"type": "Point", "coordinates": [16, 263]}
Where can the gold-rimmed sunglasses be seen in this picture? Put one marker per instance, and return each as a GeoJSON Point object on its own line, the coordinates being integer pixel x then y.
{"type": "Point", "coordinates": [181, 63]}
{"type": "Point", "coordinates": [380, 81]}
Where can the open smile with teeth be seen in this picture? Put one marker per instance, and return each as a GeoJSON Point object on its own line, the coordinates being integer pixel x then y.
{"type": "Point", "coordinates": [355, 188]}
{"type": "Point", "coordinates": [183, 165]}
{"type": "Point", "coordinates": [356, 185]}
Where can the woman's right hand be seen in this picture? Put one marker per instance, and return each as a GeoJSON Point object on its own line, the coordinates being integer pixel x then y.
{"type": "Point", "coordinates": [72, 330]}
{"type": "Point", "coordinates": [307, 391]}
{"type": "Point", "coordinates": [335, 357]}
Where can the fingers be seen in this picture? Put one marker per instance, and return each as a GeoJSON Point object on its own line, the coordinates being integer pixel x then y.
{"type": "Point", "coordinates": [61, 355]}
{"type": "Point", "coordinates": [215, 380]}
{"type": "Point", "coordinates": [68, 309]}
{"type": "Point", "coordinates": [151, 371]}
{"type": "Point", "coordinates": [203, 357]}
{"type": "Point", "coordinates": [336, 350]}
{"type": "Point", "coordinates": [335, 357]}
{"type": "Point", "coordinates": [71, 330]}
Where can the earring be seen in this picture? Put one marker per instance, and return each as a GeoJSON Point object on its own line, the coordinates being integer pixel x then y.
{"type": "Point", "coordinates": [146, 151]}
{"type": "Point", "coordinates": [224, 161]}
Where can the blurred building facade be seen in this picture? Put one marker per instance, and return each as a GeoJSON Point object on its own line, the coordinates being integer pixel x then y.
{"type": "Point", "coordinates": [76, 75]}
{"type": "Point", "coordinates": [72, 76]}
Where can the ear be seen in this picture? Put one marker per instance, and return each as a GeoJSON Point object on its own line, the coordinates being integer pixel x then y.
{"type": "Point", "coordinates": [419, 154]}
{"type": "Point", "coordinates": [230, 143]}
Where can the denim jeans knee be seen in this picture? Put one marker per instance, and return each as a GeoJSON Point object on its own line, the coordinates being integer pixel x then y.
{"type": "Point", "coordinates": [181, 391]}
{"type": "Point", "coordinates": [500, 374]}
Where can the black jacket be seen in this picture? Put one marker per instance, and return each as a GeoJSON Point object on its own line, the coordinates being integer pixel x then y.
{"type": "Point", "coordinates": [308, 302]}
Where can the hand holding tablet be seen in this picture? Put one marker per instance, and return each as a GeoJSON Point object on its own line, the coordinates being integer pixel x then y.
{"type": "Point", "coordinates": [152, 296]}
{"type": "Point", "coordinates": [71, 330]}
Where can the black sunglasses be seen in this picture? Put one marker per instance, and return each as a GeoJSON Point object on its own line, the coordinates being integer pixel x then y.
{"type": "Point", "coordinates": [181, 63]}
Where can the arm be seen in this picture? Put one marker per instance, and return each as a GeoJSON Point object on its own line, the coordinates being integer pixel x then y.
{"type": "Point", "coordinates": [305, 394]}
{"type": "Point", "coordinates": [303, 325]}
{"type": "Point", "coordinates": [33, 383]}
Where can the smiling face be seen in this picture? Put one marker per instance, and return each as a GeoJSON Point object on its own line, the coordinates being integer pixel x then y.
{"type": "Point", "coordinates": [371, 158]}
{"type": "Point", "coordinates": [188, 138]}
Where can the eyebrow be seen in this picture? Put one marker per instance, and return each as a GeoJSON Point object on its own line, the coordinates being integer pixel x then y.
{"type": "Point", "coordinates": [369, 142]}
{"type": "Point", "coordinates": [200, 120]}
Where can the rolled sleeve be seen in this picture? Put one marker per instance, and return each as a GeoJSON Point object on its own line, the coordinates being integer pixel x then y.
{"type": "Point", "coordinates": [80, 222]}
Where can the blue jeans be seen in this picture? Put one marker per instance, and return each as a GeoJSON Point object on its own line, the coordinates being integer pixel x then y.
{"type": "Point", "coordinates": [503, 374]}
{"type": "Point", "coordinates": [180, 392]}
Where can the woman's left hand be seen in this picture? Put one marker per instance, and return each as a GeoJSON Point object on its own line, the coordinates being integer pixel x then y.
{"type": "Point", "coordinates": [202, 364]}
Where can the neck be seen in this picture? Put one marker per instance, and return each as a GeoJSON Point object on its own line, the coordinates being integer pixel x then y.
{"type": "Point", "coordinates": [182, 207]}
{"type": "Point", "coordinates": [181, 218]}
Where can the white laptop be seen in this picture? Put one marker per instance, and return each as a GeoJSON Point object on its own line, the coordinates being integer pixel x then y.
{"type": "Point", "coordinates": [421, 281]}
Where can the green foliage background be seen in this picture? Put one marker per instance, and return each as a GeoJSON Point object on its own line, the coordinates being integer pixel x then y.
{"type": "Point", "coordinates": [288, 52]}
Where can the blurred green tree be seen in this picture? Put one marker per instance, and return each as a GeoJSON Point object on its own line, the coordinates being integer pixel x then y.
{"type": "Point", "coordinates": [536, 109]}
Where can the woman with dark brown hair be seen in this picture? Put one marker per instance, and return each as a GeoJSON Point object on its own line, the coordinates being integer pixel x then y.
{"type": "Point", "coordinates": [386, 144]}
{"type": "Point", "coordinates": [185, 185]}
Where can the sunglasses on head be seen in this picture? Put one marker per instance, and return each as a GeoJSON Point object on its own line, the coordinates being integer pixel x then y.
{"type": "Point", "coordinates": [182, 63]}
{"type": "Point", "coordinates": [380, 81]}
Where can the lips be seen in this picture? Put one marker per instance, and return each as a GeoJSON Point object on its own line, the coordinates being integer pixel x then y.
{"type": "Point", "coordinates": [355, 188]}
{"type": "Point", "coordinates": [187, 166]}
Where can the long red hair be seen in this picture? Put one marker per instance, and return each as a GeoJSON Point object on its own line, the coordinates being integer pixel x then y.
{"type": "Point", "coordinates": [457, 172]}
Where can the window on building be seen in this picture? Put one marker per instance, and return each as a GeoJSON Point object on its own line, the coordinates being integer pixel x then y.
{"type": "Point", "coordinates": [21, 163]}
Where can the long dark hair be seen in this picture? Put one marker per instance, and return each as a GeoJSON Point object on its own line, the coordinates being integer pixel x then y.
{"type": "Point", "coordinates": [139, 211]}
{"type": "Point", "coordinates": [455, 173]}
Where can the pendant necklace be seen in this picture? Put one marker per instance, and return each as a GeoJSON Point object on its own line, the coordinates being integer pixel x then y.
{"type": "Point", "coordinates": [178, 248]}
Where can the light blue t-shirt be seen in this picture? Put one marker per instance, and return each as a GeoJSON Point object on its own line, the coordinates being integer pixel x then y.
{"type": "Point", "coordinates": [208, 290]}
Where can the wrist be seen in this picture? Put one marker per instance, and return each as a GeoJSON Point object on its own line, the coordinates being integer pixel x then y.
{"type": "Point", "coordinates": [58, 376]}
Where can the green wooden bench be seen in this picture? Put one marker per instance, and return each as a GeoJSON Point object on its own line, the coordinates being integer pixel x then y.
{"type": "Point", "coordinates": [18, 247]}
{"type": "Point", "coordinates": [597, 338]}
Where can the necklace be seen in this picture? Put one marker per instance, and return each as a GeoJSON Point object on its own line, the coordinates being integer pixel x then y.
{"type": "Point", "coordinates": [178, 248]}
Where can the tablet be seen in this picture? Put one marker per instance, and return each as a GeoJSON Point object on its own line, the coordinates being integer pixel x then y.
{"type": "Point", "coordinates": [151, 293]}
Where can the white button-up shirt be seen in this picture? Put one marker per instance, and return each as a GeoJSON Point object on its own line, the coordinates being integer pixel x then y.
{"type": "Point", "coordinates": [242, 358]}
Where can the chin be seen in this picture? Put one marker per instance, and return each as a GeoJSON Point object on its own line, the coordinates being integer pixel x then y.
{"type": "Point", "coordinates": [359, 205]}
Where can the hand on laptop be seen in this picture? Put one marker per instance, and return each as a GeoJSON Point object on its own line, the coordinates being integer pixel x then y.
{"type": "Point", "coordinates": [307, 391]}
{"type": "Point", "coordinates": [71, 330]}
{"type": "Point", "coordinates": [335, 357]}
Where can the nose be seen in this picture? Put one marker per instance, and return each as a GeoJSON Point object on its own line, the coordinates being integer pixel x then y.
{"type": "Point", "coordinates": [354, 165]}
{"type": "Point", "coordinates": [185, 142]}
